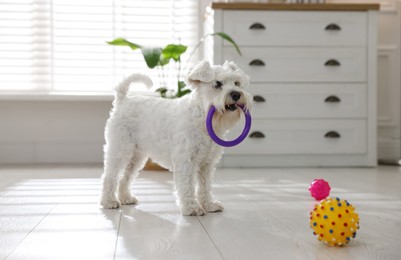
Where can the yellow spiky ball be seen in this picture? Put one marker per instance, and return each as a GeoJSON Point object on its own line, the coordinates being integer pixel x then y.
{"type": "Point", "coordinates": [334, 221]}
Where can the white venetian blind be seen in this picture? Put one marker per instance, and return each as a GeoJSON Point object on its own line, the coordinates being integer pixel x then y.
{"type": "Point", "coordinates": [25, 49]}
{"type": "Point", "coordinates": [60, 45]}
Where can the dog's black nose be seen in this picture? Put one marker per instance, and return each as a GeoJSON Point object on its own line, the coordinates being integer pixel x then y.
{"type": "Point", "coordinates": [235, 95]}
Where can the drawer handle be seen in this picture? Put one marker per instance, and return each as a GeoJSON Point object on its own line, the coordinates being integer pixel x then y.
{"type": "Point", "coordinates": [332, 62]}
{"type": "Point", "coordinates": [333, 27]}
{"type": "Point", "coordinates": [259, 99]}
{"type": "Point", "coordinates": [257, 134]}
{"type": "Point", "coordinates": [257, 26]}
{"type": "Point", "coordinates": [332, 134]}
{"type": "Point", "coordinates": [257, 62]}
{"type": "Point", "coordinates": [332, 99]}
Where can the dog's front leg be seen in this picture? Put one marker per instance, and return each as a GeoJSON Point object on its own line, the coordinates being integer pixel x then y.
{"type": "Point", "coordinates": [205, 197]}
{"type": "Point", "coordinates": [184, 177]}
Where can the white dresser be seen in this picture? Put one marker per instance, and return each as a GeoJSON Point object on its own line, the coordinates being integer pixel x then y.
{"type": "Point", "coordinates": [313, 77]}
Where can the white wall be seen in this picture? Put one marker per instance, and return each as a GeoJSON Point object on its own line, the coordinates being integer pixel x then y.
{"type": "Point", "coordinates": [389, 92]}
{"type": "Point", "coordinates": [43, 131]}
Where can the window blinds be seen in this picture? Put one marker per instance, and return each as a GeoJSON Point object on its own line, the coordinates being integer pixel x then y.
{"type": "Point", "coordinates": [60, 45]}
{"type": "Point", "coordinates": [25, 58]}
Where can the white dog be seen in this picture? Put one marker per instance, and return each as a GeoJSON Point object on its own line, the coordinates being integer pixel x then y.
{"type": "Point", "coordinates": [173, 133]}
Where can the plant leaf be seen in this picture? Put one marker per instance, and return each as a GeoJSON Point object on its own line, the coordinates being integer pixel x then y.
{"type": "Point", "coordinates": [163, 60]}
{"type": "Point", "coordinates": [181, 84]}
{"type": "Point", "coordinates": [152, 56]}
{"type": "Point", "coordinates": [124, 42]}
{"type": "Point", "coordinates": [162, 91]}
{"type": "Point", "coordinates": [181, 89]}
{"type": "Point", "coordinates": [173, 51]}
{"type": "Point", "coordinates": [229, 39]}
{"type": "Point", "coordinates": [183, 93]}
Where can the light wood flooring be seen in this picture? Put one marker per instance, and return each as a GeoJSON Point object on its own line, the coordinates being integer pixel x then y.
{"type": "Point", "coordinates": [52, 213]}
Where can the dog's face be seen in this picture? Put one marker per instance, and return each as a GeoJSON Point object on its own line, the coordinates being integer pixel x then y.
{"type": "Point", "coordinates": [223, 86]}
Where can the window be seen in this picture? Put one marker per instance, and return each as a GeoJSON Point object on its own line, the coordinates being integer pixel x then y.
{"type": "Point", "coordinates": [60, 45]}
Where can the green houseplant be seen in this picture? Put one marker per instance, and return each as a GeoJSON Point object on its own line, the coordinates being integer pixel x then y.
{"type": "Point", "coordinates": [158, 57]}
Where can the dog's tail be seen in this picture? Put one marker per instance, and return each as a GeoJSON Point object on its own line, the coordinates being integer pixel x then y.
{"type": "Point", "coordinates": [123, 87]}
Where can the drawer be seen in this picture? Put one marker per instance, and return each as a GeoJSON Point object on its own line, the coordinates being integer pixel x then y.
{"type": "Point", "coordinates": [264, 28]}
{"type": "Point", "coordinates": [302, 137]}
{"type": "Point", "coordinates": [309, 100]}
{"type": "Point", "coordinates": [301, 64]}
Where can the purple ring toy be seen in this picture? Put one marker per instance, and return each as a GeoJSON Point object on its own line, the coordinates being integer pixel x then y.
{"type": "Point", "coordinates": [216, 139]}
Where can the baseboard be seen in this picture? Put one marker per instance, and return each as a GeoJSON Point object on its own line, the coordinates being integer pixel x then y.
{"type": "Point", "coordinates": [389, 149]}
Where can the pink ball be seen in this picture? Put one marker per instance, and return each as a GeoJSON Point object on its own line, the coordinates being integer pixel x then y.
{"type": "Point", "coordinates": [319, 189]}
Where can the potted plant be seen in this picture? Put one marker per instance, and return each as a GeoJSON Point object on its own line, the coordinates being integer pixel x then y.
{"type": "Point", "coordinates": [158, 57]}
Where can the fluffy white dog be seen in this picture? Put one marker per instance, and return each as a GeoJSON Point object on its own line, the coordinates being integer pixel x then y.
{"type": "Point", "coordinates": [173, 133]}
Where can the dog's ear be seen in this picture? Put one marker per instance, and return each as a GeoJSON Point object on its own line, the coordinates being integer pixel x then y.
{"type": "Point", "coordinates": [201, 73]}
{"type": "Point", "coordinates": [230, 65]}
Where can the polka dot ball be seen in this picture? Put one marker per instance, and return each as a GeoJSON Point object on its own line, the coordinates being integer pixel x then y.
{"type": "Point", "coordinates": [334, 221]}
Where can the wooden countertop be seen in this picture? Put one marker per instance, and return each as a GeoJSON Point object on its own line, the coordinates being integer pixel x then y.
{"type": "Point", "coordinates": [296, 7]}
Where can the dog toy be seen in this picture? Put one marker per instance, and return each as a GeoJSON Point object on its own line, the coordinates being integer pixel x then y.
{"type": "Point", "coordinates": [334, 221]}
{"type": "Point", "coordinates": [216, 139]}
{"type": "Point", "coordinates": [319, 189]}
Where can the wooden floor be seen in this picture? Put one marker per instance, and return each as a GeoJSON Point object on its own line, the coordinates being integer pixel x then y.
{"type": "Point", "coordinates": [52, 213]}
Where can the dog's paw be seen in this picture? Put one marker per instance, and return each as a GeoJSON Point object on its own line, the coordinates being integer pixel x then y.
{"type": "Point", "coordinates": [110, 204]}
{"type": "Point", "coordinates": [214, 206]}
{"type": "Point", "coordinates": [128, 200]}
{"type": "Point", "coordinates": [198, 211]}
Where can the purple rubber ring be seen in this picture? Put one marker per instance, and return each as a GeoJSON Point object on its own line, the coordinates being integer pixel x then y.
{"type": "Point", "coordinates": [217, 140]}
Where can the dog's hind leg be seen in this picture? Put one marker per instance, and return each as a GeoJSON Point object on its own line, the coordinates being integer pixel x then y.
{"type": "Point", "coordinates": [131, 172]}
{"type": "Point", "coordinates": [108, 197]}
{"type": "Point", "coordinates": [115, 160]}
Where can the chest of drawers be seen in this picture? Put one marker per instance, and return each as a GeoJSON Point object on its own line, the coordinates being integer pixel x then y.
{"type": "Point", "coordinates": [313, 77]}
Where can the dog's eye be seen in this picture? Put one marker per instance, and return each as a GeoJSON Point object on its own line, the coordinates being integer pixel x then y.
{"type": "Point", "coordinates": [218, 84]}
{"type": "Point", "coordinates": [236, 83]}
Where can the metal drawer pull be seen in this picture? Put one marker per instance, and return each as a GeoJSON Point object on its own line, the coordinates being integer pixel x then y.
{"type": "Point", "coordinates": [332, 62]}
{"type": "Point", "coordinates": [257, 26]}
{"type": "Point", "coordinates": [257, 134]}
{"type": "Point", "coordinates": [333, 27]}
{"type": "Point", "coordinates": [332, 134]}
{"type": "Point", "coordinates": [259, 99]}
{"type": "Point", "coordinates": [332, 99]}
{"type": "Point", "coordinates": [257, 62]}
